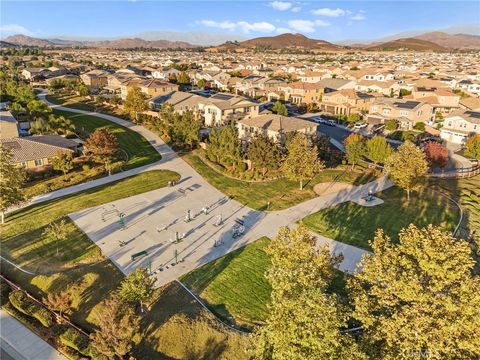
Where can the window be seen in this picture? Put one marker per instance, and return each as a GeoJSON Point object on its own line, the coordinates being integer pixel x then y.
{"type": "Point", "coordinates": [403, 113]}
{"type": "Point", "coordinates": [23, 164]}
{"type": "Point", "coordinates": [374, 108]}
{"type": "Point", "coordinates": [38, 162]}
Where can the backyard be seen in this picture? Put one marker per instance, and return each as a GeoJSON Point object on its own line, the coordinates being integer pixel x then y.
{"type": "Point", "coordinates": [353, 224]}
{"type": "Point", "coordinates": [280, 193]}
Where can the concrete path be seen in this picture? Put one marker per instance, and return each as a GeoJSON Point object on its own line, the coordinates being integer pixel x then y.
{"type": "Point", "coordinates": [20, 343]}
{"type": "Point", "coordinates": [148, 213]}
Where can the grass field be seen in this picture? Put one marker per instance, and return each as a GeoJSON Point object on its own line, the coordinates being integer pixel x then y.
{"type": "Point", "coordinates": [138, 149]}
{"type": "Point", "coordinates": [73, 101]}
{"type": "Point", "coordinates": [354, 224]}
{"type": "Point", "coordinates": [22, 235]}
{"type": "Point", "coordinates": [281, 193]}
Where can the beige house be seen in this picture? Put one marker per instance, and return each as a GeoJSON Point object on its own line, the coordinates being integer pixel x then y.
{"type": "Point", "coordinates": [223, 108]}
{"type": "Point", "coordinates": [459, 125]}
{"type": "Point", "coordinates": [346, 102]}
{"type": "Point", "coordinates": [406, 112]}
{"type": "Point", "coordinates": [8, 125]}
{"type": "Point", "coordinates": [150, 87]}
{"type": "Point", "coordinates": [181, 102]}
{"type": "Point", "coordinates": [387, 88]}
{"type": "Point", "coordinates": [95, 79]}
{"type": "Point", "coordinates": [302, 92]}
{"type": "Point", "coordinates": [443, 100]}
{"type": "Point", "coordinates": [274, 126]}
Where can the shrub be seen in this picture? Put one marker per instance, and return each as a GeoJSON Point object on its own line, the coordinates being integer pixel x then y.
{"type": "Point", "coordinates": [391, 125]}
{"type": "Point", "coordinates": [76, 340]}
{"type": "Point", "coordinates": [4, 291]}
{"type": "Point", "coordinates": [420, 126]}
{"type": "Point", "coordinates": [29, 307]}
{"type": "Point", "coordinates": [85, 167]}
{"type": "Point", "coordinates": [241, 167]}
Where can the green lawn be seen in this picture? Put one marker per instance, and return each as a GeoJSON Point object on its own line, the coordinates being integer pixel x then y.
{"type": "Point", "coordinates": [139, 150]}
{"type": "Point", "coordinates": [73, 101]}
{"type": "Point", "coordinates": [235, 285]}
{"type": "Point", "coordinates": [354, 224]}
{"type": "Point", "coordinates": [281, 193]}
{"type": "Point", "coordinates": [22, 239]}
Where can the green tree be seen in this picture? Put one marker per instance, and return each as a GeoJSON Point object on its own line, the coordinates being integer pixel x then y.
{"type": "Point", "coordinates": [37, 109]}
{"type": "Point", "coordinates": [304, 320]}
{"type": "Point", "coordinates": [60, 125]}
{"type": "Point", "coordinates": [354, 148]}
{"type": "Point", "coordinates": [183, 78]}
{"type": "Point", "coordinates": [57, 231]}
{"type": "Point", "coordinates": [418, 297]}
{"type": "Point", "coordinates": [264, 153]}
{"type": "Point", "coordinates": [391, 125]}
{"type": "Point", "coordinates": [11, 181]}
{"type": "Point", "coordinates": [83, 90]}
{"type": "Point", "coordinates": [60, 301]}
{"type": "Point", "coordinates": [201, 83]}
{"type": "Point", "coordinates": [16, 109]}
{"type": "Point", "coordinates": [117, 328]}
{"type": "Point", "coordinates": [137, 287]}
{"type": "Point", "coordinates": [102, 145]}
{"type": "Point", "coordinates": [302, 162]}
{"type": "Point", "coordinates": [280, 109]}
{"type": "Point", "coordinates": [136, 102]}
{"type": "Point", "coordinates": [407, 166]}
{"type": "Point", "coordinates": [224, 146]}
{"type": "Point", "coordinates": [472, 147]}
{"type": "Point", "coordinates": [378, 149]}
{"type": "Point", "coordinates": [63, 162]}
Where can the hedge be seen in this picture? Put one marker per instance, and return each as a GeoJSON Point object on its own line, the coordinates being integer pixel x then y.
{"type": "Point", "coordinates": [76, 340]}
{"type": "Point", "coordinates": [29, 307]}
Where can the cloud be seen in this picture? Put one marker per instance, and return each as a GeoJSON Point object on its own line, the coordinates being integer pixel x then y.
{"type": "Point", "coordinates": [281, 5]}
{"type": "Point", "coordinates": [282, 30]}
{"type": "Point", "coordinates": [330, 12]}
{"type": "Point", "coordinates": [296, 9]}
{"type": "Point", "coordinates": [243, 26]}
{"type": "Point", "coordinates": [12, 29]}
{"type": "Point", "coordinates": [322, 23]}
{"type": "Point", "coordinates": [358, 17]}
{"type": "Point", "coordinates": [306, 26]}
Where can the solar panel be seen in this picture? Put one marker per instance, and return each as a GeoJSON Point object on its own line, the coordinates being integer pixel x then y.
{"type": "Point", "coordinates": [406, 105]}
{"type": "Point", "coordinates": [473, 114]}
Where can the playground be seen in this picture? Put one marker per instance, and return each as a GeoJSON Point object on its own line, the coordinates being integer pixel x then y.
{"type": "Point", "coordinates": [169, 231]}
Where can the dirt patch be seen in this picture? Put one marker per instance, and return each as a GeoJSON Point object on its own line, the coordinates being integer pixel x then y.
{"type": "Point", "coordinates": [330, 187]}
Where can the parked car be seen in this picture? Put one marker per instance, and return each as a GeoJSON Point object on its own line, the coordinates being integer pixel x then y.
{"type": "Point", "coordinates": [360, 125]}
{"type": "Point", "coordinates": [319, 119]}
{"type": "Point", "coordinates": [330, 122]}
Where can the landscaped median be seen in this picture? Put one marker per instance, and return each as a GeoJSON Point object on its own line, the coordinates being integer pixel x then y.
{"type": "Point", "coordinates": [280, 193]}
{"type": "Point", "coordinates": [354, 224]}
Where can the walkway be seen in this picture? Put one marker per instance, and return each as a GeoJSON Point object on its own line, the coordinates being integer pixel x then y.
{"type": "Point", "coordinates": [150, 212]}
{"type": "Point", "coordinates": [20, 343]}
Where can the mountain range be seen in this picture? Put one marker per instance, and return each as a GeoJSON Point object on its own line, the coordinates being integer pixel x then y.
{"type": "Point", "coordinates": [430, 41]}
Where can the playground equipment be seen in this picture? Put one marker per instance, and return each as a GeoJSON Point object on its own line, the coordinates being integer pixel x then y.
{"type": "Point", "coordinates": [188, 216]}
{"type": "Point", "coordinates": [106, 212]}
{"type": "Point", "coordinates": [219, 220]}
{"type": "Point", "coordinates": [138, 254]}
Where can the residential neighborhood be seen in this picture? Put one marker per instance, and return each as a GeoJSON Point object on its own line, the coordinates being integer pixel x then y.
{"type": "Point", "coordinates": [249, 180]}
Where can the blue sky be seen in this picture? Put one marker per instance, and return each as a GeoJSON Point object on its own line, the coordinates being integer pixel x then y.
{"type": "Point", "coordinates": [329, 20]}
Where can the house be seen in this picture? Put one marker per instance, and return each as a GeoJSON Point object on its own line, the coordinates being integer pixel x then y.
{"type": "Point", "coordinates": [33, 152]}
{"type": "Point", "coordinates": [302, 92]}
{"type": "Point", "coordinates": [33, 74]}
{"type": "Point", "coordinates": [8, 125]}
{"type": "Point", "coordinates": [223, 108]}
{"type": "Point", "coordinates": [469, 86]}
{"type": "Point", "coordinates": [460, 125]}
{"type": "Point", "coordinates": [165, 73]}
{"type": "Point", "coordinates": [150, 87]}
{"type": "Point", "coordinates": [406, 112]}
{"type": "Point", "coordinates": [256, 85]}
{"type": "Point", "coordinates": [312, 76]}
{"type": "Point", "coordinates": [443, 100]}
{"type": "Point", "coordinates": [181, 102]}
{"type": "Point", "coordinates": [335, 84]}
{"type": "Point", "coordinates": [470, 103]}
{"type": "Point", "coordinates": [387, 88]}
{"type": "Point", "coordinates": [274, 126]}
{"type": "Point", "coordinates": [54, 71]}
{"type": "Point", "coordinates": [95, 79]}
{"type": "Point", "coordinates": [346, 102]}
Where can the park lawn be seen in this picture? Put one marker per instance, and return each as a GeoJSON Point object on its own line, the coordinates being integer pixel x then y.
{"type": "Point", "coordinates": [73, 101]}
{"type": "Point", "coordinates": [281, 193]}
{"type": "Point", "coordinates": [467, 193]}
{"type": "Point", "coordinates": [353, 224]}
{"type": "Point", "coordinates": [234, 285]}
{"type": "Point", "coordinates": [22, 235]}
{"type": "Point", "coordinates": [140, 152]}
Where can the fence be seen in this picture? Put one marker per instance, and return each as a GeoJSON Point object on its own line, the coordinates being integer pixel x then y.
{"type": "Point", "coordinates": [460, 173]}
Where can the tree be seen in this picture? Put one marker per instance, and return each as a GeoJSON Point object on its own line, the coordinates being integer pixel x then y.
{"type": "Point", "coordinates": [137, 287]}
{"type": "Point", "coordinates": [136, 102]}
{"type": "Point", "coordinates": [378, 149]}
{"type": "Point", "coordinates": [420, 126]}
{"type": "Point", "coordinates": [102, 145]}
{"type": "Point", "coordinates": [406, 166]}
{"type": "Point", "coordinates": [304, 320]}
{"type": "Point", "coordinates": [436, 154]}
{"type": "Point", "coordinates": [37, 109]}
{"type": "Point", "coordinates": [224, 146]}
{"type": "Point", "coordinates": [201, 83]}
{"type": "Point", "coordinates": [264, 153]}
{"type": "Point", "coordinates": [391, 124]}
{"type": "Point", "coordinates": [83, 90]}
{"type": "Point", "coordinates": [302, 162]}
{"type": "Point", "coordinates": [418, 296]}
{"type": "Point", "coordinates": [60, 125]}
{"type": "Point", "coordinates": [58, 231]}
{"type": "Point", "coordinates": [59, 301]}
{"type": "Point", "coordinates": [117, 327]}
{"type": "Point", "coordinates": [280, 109]}
{"type": "Point", "coordinates": [63, 162]}
{"type": "Point", "coordinates": [11, 181]}
{"type": "Point", "coordinates": [322, 142]}
{"type": "Point", "coordinates": [355, 148]}
{"type": "Point", "coordinates": [473, 147]}
{"type": "Point", "coordinates": [183, 78]}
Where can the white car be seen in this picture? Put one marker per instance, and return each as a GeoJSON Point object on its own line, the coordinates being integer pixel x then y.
{"type": "Point", "coordinates": [319, 119]}
{"type": "Point", "coordinates": [360, 125]}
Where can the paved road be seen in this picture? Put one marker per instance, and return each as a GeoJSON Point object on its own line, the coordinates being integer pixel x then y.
{"type": "Point", "coordinates": [20, 343]}
{"type": "Point", "coordinates": [168, 206]}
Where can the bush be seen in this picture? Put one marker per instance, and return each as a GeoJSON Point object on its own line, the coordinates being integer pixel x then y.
{"type": "Point", "coordinates": [241, 167]}
{"type": "Point", "coordinates": [76, 340]}
{"type": "Point", "coordinates": [85, 167]}
{"type": "Point", "coordinates": [4, 292]}
{"type": "Point", "coordinates": [29, 307]}
{"type": "Point", "coordinates": [420, 126]}
{"type": "Point", "coordinates": [391, 125]}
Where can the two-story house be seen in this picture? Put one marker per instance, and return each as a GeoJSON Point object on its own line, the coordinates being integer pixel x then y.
{"type": "Point", "coordinates": [443, 100]}
{"type": "Point", "coordinates": [346, 102]}
{"type": "Point", "coordinates": [223, 108]}
{"type": "Point", "coordinates": [95, 79]}
{"type": "Point", "coordinates": [460, 125]}
{"type": "Point", "coordinates": [406, 112]}
{"type": "Point", "coordinates": [150, 87]}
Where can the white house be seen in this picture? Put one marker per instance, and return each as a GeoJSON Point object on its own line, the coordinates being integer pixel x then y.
{"type": "Point", "coordinates": [460, 125]}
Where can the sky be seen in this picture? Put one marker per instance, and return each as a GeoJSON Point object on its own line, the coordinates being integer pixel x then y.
{"type": "Point", "coordinates": [326, 20]}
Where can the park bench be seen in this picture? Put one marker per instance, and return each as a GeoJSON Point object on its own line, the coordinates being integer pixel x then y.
{"type": "Point", "coordinates": [141, 253]}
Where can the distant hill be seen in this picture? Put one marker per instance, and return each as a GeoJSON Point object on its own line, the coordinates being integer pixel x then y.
{"type": "Point", "coordinates": [4, 44]}
{"type": "Point", "coordinates": [283, 41]}
{"type": "Point", "coordinates": [412, 44]}
{"type": "Point", "coordinates": [112, 44]}
{"type": "Point", "coordinates": [456, 41]}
